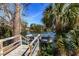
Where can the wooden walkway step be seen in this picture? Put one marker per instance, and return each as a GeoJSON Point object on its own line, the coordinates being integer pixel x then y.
{"type": "Point", "coordinates": [36, 52]}
{"type": "Point", "coordinates": [18, 51]}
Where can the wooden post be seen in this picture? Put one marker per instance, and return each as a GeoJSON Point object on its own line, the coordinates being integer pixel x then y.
{"type": "Point", "coordinates": [20, 39]}
{"type": "Point", "coordinates": [38, 42]}
{"type": "Point", "coordinates": [30, 47]}
{"type": "Point", "coordinates": [1, 44]}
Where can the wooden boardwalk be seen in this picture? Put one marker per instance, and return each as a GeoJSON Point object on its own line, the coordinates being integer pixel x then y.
{"type": "Point", "coordinates": [18, 49]}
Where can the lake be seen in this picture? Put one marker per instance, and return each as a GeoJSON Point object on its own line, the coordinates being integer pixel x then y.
{"type": "Point", "coordinates": [45, 35]}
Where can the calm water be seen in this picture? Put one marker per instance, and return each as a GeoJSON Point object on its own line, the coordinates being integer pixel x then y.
{"type": "Point", "coordinates": [45, 34]}
{"type": "Point", "coordinates": [48, 34]}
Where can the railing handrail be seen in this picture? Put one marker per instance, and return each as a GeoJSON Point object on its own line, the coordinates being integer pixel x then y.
{"type": "Point", "coordinates": [33, 48]}
{"type": "Point", "coordinates": [30, 46]}
{"type": "Point", "coordinates": [5, 39]}
{"type": "Point", "coordinates": [34, 39]}
{"type": "Point", "coordinates": [12, 43]}
{"type": "Point", "coordinates": [23, 37]}
{"type": "Point", "coordinates": [5, 47]}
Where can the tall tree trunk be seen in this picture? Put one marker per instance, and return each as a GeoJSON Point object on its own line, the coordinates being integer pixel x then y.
{"type": "Point", "coordinates": [77, 21]}
{"type": "Point", "coordinates": [16, 23]}
{"type": "Point", "coordinates": [60, 43]}
{"type": "Point", "coordinates": [77, 31]}
{"type": "Point", "coordinates": [58, 24]}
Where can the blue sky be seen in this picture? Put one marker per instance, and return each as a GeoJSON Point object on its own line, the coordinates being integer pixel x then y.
{"type": "Point", "coordinates": [34, 13]}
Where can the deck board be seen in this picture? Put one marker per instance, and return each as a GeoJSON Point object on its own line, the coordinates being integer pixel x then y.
{"type": "Point", "coordinates": [18, 51]}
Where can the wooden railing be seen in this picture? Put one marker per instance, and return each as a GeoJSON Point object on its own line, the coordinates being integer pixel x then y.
{"type": "Point", "coordinates": [8, 44]}
{"type": "Point", "coordinates": [33, 47]}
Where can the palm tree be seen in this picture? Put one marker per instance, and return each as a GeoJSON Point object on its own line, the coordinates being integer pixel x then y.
{"type": "Point", "coordinates": [65, 17]}
{"type": "Point", "coordinates": [53, 15]}
{"type": "Point", "coordinates": [48, 17]}
{"type": "Point", "coordinates": [63, 22]}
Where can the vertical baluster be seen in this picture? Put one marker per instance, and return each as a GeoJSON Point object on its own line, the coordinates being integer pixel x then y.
{"type": "Point", "coordinates": [20, 39]}
{"type": "Point", "coordinates": [37, 48]}
{"type": "Point", "coordinates": [30, 48]}
{"type": "Point", "coordinates": [1, 52]}
{"type": "Point", "coordinates": [38, 44]}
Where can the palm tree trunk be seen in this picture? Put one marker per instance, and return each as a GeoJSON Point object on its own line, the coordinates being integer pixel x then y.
{"type": "Point", "coordinates": [60, 45]}
{"type": "Point", "coordinates": [77, 29]}
{"type": "Point", "coordinates": [58, 24]}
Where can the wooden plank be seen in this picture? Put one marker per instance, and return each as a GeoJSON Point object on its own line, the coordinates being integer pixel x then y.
{"type": "Point", "coordinates": [36, 51]}
{"type": "Point", "coordinates": [34, 48]}
{"type": "Point", "coordinates": [27, 52]}
{"type": "Point", "coordinates": [10, 45]}
{"type": "Point", "coordinates": [18, 51]}
{"type": "Point", "coordinates": [1, 48]}
{"type": "Point", "coordinates": [11, 49]}
{"type": "Point", "coordinates": [30, 48]}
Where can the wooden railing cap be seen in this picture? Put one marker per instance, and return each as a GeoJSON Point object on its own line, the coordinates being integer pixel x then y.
{"type": "Point", "coordinates": [5, 39]}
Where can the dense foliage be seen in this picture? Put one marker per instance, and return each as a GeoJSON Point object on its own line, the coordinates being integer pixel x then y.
{"type": "Point", "coordinates": [23, 28]}
{"type": "Point", "coordinates": [36, 28]}
{"type": "Point", "coordinates": [65, 24]}
{"type": "Point", "coordinates": [5, 31]}
{"type": "Point", "coordinates": [46, 49]}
